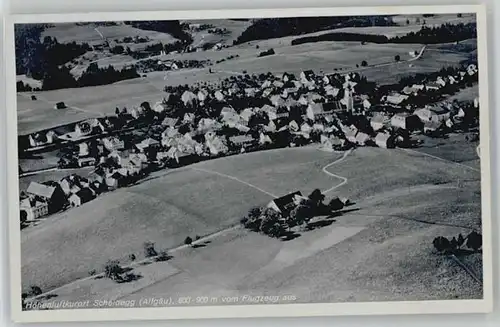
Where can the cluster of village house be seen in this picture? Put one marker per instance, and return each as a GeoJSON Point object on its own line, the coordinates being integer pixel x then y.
{"type": "Point", "coordinates": [324, 107]}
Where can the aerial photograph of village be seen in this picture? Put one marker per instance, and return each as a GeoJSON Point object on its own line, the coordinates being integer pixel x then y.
{"type": "Point", "coordinates": [249, 161]}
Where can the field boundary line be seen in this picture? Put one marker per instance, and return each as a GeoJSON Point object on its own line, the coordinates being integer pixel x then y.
{"type": "Point", "coordinates": [442, 159]}
{"type": "Point", "coordinates": [235, 179]}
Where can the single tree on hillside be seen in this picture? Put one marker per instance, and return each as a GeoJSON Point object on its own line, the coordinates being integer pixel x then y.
{"type": "Point", "coordinates": [397, 58]}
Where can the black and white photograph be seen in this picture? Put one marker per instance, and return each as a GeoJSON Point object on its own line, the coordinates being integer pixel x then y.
{"type": "Point", "coordinates": [241, 160]}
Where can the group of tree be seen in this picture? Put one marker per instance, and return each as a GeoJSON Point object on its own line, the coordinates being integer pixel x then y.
{"type": "Point", "coordinates": [275, 224]}
{"type": "Point", "coordinates": [440, 34]}
{"type": "Point", "coordinates": [35, 57]}
{"type": "Point", "coordinates": [269, 28]}
{"type": "Point", "coordinates": [172, 27]}
{"type": "Point", "coordinates": [61, 77]}
{"type": "Point", "coordinates": [426, 35]}
{"type": "Point", "coordinates": [267, 53]}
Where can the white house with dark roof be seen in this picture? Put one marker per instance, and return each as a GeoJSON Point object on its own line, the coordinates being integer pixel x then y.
{"type": "Point", "coordinates": [33, 209]}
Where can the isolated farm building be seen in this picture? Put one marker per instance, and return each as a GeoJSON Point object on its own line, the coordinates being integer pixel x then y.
{"type": "Point", "coordinates": [60, 105]}
{"type": "Point", "coordinates": [396, 99]}
{"type": "Point", "coordinates": [83, 196]}
{"type": "Point", "coordinates": [146, 144]}
{"type": "Point", "coordinates": [432, 114]}
{"type": "Point", "coordinates": [385, 140]}
{"type": "Point", "coordinates": [33, 208]}
{"type": "Point", "coordinates": [286, 203]}
{"type": "Point", "coordinates": [406, 121]}
{"type": "Point", "coordinates": [86, 161]}
{"type": "Point", "coordinates": [113, 143]}
{"type": "Point", "coordinates": [52, 194]}
{"type": "Point", "coordinates": [379, 121]}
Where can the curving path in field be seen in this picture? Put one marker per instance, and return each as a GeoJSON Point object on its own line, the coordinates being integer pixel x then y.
{"type": "Point", "coordinates": [210, 236]}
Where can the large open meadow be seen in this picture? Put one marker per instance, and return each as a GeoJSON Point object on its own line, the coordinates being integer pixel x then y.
{"type": "Point", "coordinates": [402, 201]}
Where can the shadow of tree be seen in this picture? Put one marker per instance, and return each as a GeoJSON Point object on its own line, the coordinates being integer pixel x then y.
{"type": "Point", "coordinates": [289, 235]}
{"type": "Point", "coordinates": [130, 277]}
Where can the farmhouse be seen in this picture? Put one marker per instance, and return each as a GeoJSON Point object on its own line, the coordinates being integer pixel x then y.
{"type": "Point", "coordinates": [396, 98]}
{"type": "Point", "coordinates": [379, 121]}
{"type": "Point", "coordinates": [83, 149]}
{"type": "Point", "coordinates": [60, 105]}
{"type": "Point", "coordinates": [81, 197]}
{"type": "Point", "coordinates": [52, 194]}
{"type": "Point", "coordinates": [242, 140]}
{"type": "Point", "coordinates": [113, 143]}
{"type": "Point", "coordinates": [385, 140]}
{"type": "Point", "coordinates": [89, 126]}
{"type": "Point", "coordinates": [432, 127]}
{"type": "Point", "coordinates": [285, 204]}
{"type": "Point", "coordinates": [146, 144]}
{"type": "Point", "coordinates": [307, 76]}
{"type": "Point", "coordinates": [362, 138]}
{"type": "Point", "coordinates": [434, 114]}
{"type": "Point", "coordinates": [86, 161]}
{"type": "Point", "coordinates": [33, 209]}
{"type": "Point", "coordinates": [405, 121]}
{"type": "Point", "coordinates": [41, 138]}
{"type": "Point", "coordinates": [169, 122]}
{"type": "Point", "coordinates": [433, 86]}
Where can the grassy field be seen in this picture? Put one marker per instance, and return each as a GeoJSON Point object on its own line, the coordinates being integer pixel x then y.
{"type": "Point", "coordinates": [185, 202]}
{"type": "Point", "coordinates": [379, 251]}
{"type": "Point", "coordinates": [70, 32]}
{"type": "Point", "coordinates": [38, 115]}
{"type": "Point", "coordinates": [234, 28]}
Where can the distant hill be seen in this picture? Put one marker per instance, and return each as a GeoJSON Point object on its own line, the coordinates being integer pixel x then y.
{"type": "Point", "coordinates": [269, 28]}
